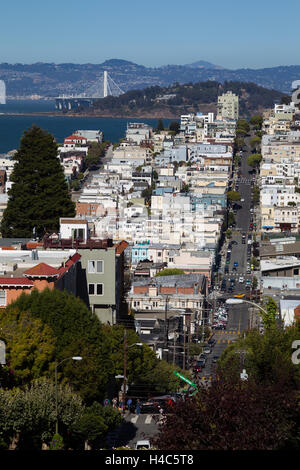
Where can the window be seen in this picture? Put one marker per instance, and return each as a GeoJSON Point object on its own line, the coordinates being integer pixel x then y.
{"type": "Point", "coordinates": [2, 297]}
{"type": "Point", "coordinates": [95, 289]}
{"type": "Point", "coordinates": [91, 289]}
{"type": "Point", "coordinates": [95, 267]}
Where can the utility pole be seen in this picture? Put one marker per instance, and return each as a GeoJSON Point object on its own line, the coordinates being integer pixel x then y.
{"type": "Point", "coordinates": [174, 348]}
{"type": "Point", "coordinates": [166, 323]}
{"type": "Point", "coordinates": [189, 335]}
{"type": "Point", "coordinates": [124, 367]}
{"type": "Point", "coordinates": [184, 339]}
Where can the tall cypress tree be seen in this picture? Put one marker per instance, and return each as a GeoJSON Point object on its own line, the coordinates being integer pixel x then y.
{"type": "Point", "coordinates": [39, 195]}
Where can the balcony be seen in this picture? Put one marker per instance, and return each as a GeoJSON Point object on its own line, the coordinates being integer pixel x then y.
{"type": "Point", "coordinates": [78, 243]}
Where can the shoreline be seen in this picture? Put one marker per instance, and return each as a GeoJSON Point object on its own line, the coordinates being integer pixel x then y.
{"type": "Point", "coordinates": [85, 115]}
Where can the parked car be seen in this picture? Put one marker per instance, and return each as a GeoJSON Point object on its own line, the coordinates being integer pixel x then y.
{"type": "Point", "coordinates": [148, 407]}
{"type": "Point", "coordinates": [201, 363]}
{"type": "Point", "coordinates": [214, 359]}
{"type": "Point", "coordinates": [145, 444]}
{"type": "Point", "coordinates": [206, 350]}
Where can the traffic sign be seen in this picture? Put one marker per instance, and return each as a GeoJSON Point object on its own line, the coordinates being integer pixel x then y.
{"type": "Point", "coordinates": [185, 379]}
{"type": "Point", "coordinates": [122, 388]}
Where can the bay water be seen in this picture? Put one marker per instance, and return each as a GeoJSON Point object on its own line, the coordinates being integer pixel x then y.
{"type": "Point", "coordinates": [12, 125]}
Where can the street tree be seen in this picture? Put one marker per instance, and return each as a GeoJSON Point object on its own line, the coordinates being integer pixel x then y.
{"type": "Point", "coordinates": [160, 125]}
{"type": "Point", "coordinates": [78, 332]}
{"type": "Point", "coordinates": [29, 417]}
{"type": "Point", "coordinates": [269, 318]}
{"type": "Point", "coordinates": [174, 126]}
{"type": "Point", "coordinates": [255, 142]}
{"type": "Point", "coordinates": [256, 121]}
{"type": "Point", "coordinates": [39, 195]}
{"type": "Point", "coordinates": [95, 152]}
{"type": "Point", "coordinates": [93, 424]}
{"type": "Point", "coordinates": [232, 416]}
{"type": "Point", "coordinates": [254, 159]}
{"type": "Point", "coordinates": [239, 143]}
{"type": "Point", "coordinates": [233, 196]}
{"type": "Point", "coordinates": [267, 358]}
{"type": "Point", "coordinates": [30, 346]}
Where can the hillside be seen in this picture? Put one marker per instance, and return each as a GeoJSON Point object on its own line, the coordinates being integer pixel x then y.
{"type": "Point", "coordinates": [169, 102]}
{"type": "Point", "coordinates": [50, 80]}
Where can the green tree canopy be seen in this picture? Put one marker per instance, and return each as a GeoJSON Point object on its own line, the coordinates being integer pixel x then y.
{"type": "Point", "coordinates": [256, 121]}
{"type": "Point", "coordinates": [232, 416]}
{"type": "Point", "coordinates": [95, 153]}
{"type": "Point", "coordinates": [39, 195]}
{"type": "Point", "coordinates": [28, 416]}
{"type": "Point", "coordinates": [254, 159]}
{"type": "Point", "coordinates": [233, 196]}
{"type": "Point", "coordinates": [78, 332]}
{"type": "Point", "coordinates": [29, 345]}
{"type": "Point", "coordinates": [255, 142]}
{"type": "Point", "coordinates": [267, 357]}
{"type": "Point", "coordinates": [239, 143]}
{"type": "Point", "coordinates": [269, 318]}
{"type": "Point", "coordinates": [94, 424]}
{"type": "Point", "coordinates": [170, 272]}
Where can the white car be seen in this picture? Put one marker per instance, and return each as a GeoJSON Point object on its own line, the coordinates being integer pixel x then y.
{"type": "Point", "coordinates": [143, 445]}
{"type": "Point", "coordinates": [241, 279]}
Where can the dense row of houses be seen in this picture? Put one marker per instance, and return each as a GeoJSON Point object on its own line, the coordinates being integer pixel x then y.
{"type": "Point", "coordinates": [159, 202]}
{"type": "Point", "coordinates": [280, 208]}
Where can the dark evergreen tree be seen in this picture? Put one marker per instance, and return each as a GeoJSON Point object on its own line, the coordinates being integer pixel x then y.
{"type": "Point", "coordinates": [174, 126]}
{"type": "Point", "coordinates": [160, 125]}
{"type": "Point", "coordinates": [39, 195]}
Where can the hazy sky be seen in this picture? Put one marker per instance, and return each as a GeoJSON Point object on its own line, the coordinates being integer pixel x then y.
{"type": "Point", "coordinates": [232, 33]}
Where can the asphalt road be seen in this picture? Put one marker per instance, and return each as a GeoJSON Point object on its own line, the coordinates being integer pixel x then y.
{"type": "Point", "coordinates": [135, 428]}
{"type": "Point", "coordinates": [90, 174]}
{"type": "Point", "coordinates": [238, 315]}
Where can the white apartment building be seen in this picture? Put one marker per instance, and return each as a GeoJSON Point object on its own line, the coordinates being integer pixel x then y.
{"type": "Point", "coordinates": [228, 106]}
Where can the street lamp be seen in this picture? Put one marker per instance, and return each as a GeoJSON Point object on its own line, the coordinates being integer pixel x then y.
{"type": "Point", "coordinates": [235, 301]}
{"type": "Point", "coordinates": [74, 358]}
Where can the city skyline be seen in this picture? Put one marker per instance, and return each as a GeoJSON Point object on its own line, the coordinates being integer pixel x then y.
{"type": "Point", "coordinates": [228, 35]}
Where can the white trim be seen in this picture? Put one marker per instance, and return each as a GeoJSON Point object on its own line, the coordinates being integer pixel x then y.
{"type": "Point", "coordinates": [95, 271]}
{"type": "Point", "coordinates": [95, 288]}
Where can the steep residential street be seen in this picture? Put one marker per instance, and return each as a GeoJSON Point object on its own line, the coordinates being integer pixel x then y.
{"type": "Point", "coordinates": [238, 315]}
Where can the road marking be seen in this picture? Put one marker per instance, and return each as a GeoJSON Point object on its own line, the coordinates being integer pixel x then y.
{"type": "Point", "coordinates": [134, 418]}
{"type": "Point", "coordinates": [148, 419]}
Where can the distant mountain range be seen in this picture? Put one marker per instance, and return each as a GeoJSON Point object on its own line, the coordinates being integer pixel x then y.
{"type": "Point", "coordinates": [50, 80]}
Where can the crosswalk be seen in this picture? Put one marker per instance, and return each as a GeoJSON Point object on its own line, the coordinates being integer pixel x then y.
{"type": "Point", "coordinates": [145, 418]}
{"type": "Point", "coordinates": [227, 332]}
{"type": "Point", "coordinates": [244, 180]}
{"type": "Point", "coordinates": [224, 341]}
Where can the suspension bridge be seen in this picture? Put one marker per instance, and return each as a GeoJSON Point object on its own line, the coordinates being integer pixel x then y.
{"type": "Point", "coordinates": [102, 88]}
